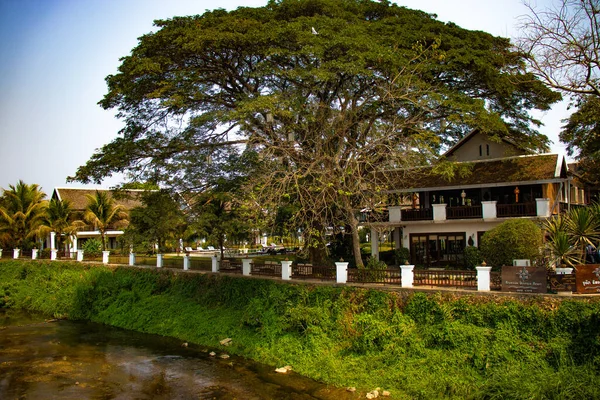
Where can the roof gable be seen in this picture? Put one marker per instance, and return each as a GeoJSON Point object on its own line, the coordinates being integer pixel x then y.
{"type": "Point", "coordinates": [479, 146]}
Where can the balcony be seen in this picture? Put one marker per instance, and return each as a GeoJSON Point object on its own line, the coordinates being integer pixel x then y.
{"type": "Point", "coordinates": [487, 210]}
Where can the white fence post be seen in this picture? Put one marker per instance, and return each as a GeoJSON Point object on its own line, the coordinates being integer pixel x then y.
{"type": "Point", "coordinates": [105, 255]}
{"type": "Point", "coordinates": [246, 266]}
{"type": "Point", "coordinates": [215, 263]}
{"type": "Point", "coordinates": [132, 259]}
{"type": "Point", "coordinates": [186, 263]}
{"type": "Point", "coordinates": [408, 275]}
{"type": "Point", "coordinates": [159, 261]}
{"type": "Point", "coordinates": [79, 255]}
{"type": "Point", "coordinates": [53, 254]}
{"type": "Point", "coordinates": [286, 270]}
{"type": "Point", "coordinates": [0, 253]}
{"type": "Point", "coordinates": [16, 253]}
{"type": "Point", "coordinates": [34, 254]}
{"type": "Point", "coordinates": [483, 278]}
{"type": "Point", "coordinates": [341, 272]}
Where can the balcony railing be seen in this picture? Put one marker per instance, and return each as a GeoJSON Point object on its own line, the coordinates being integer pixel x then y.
{"type": "Point", "coordinates": [464, 212]}
{"type": "Point", "coordinates": [516, 210]}
{"type": "Point", "coordinates": [419, 214]}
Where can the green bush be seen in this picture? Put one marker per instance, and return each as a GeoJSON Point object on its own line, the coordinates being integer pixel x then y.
{"type": "Point", "coordinates": [92, 247]}
{"type": "Point", "coordinates": [402, 255]}
{"type": "Point", "coordinates": [473, 257]}
{"type": "Point", "coordinates": [513, 239]}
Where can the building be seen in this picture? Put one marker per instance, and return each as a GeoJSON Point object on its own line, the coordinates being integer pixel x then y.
{"type": "Point", "coordinates": [493, 181]}
{"type": "Point", "coordinates": [78, 198]}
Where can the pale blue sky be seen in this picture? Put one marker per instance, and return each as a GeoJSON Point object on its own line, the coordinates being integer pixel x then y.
{"type": "Point", "coordinates": [55, 55]}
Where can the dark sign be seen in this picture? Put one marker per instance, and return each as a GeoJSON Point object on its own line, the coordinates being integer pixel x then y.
{"type": "Point", "coordinates": [588, 278]}
{"type": "Point", "coordinates": [524, 279]}
{"type": "Point", "coordinates": [562, 282]}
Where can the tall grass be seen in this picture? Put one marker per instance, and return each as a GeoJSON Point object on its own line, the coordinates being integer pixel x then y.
{"type": "Point", "coordinates": [418, 346]}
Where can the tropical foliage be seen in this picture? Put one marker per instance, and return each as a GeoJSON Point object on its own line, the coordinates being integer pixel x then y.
{"type": "Point", "coordinates": [22, 212]}
{"type": "Point", "coordinates": [102, 212]}
{"type": "Point", "coordinates": [59, 219]}
{"type": "Point", "coordinates": [512, 239]}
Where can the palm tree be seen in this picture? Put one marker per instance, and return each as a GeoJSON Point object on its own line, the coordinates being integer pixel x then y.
{"type": "Point", "coordinates": [22, 211]}
{"type": "Point", "coordinates": [57, 219]}
{"type": "Point", "coordinates": [103, 213]}
{"type": "Point", "coordinates": [584, 229]}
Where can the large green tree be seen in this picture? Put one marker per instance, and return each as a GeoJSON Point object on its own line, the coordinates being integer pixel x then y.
{"type": "Point", "coordinates": [58, 218]}
{"type": "Point", "coordinates": [327, 94]}
{"type": "Point", "coordinates": [22, 211]}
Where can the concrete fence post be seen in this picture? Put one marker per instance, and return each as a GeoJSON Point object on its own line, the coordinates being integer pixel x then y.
{"type": "Point", "coordinates": [286, 270]}
{"type": "Point", "coordinates": [159, 261]}
{"type": "Point", "coordinates": [79, 255]}
{"type": "Point", "coordinates": [341, 272]}
{"type": "Point", "coordinates": [16, 253]}
{"type": "Point", "coordinates": [483, 278]}
{"type": "Point", "coordinates": [215, 263]}
{"type": "Point", "coordinates": [132, 259]}
{"type": "Point", "coordinates": [186, 263]}
{"type": "Point", "coordinates": [34, 254]}
{"type": "Point", "coordinates": [408, 276]}
{"type": "Point", "coordinates": [246, 266]}
{"type": "Point", "coordinates": [105, 255]}
{"type": "Point", "coordinates": [53, 254]}
{"type": "Point", "coordinates": [0, 253]}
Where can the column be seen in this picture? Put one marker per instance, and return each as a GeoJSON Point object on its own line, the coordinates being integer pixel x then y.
{"type": "Point", "coordinates": [215, 263]}
{"type": "Point", "coordinates": [483, 278]}
{"type": "Point", "coordinates": [246, 266]}
{"type": "Point", "coordinates": [374, 244]}
{"type": "Point", "coordinates": [186, 263]}
{"type": "Point", "coordinates": [79, 255]}
{"type": "Point", "coordinates": [74, 243]}
{"type": "Point", "coordinates": [439, 212]}
{"type": "Point", "coordinates": [341, 272]}
{"type": "Point", "coordinates": [408, 276]}
{"type": "Point", "coordinates": [488, 209]}
{"type": "Point", "coordinates": [16, 253]}
{"type": "Point", "coordinates": [286, 270]}
{"type": "Point", "coordinates": [132, 259]}
{"type": "Point", "coordinates": [34, 254]}
{"type": "Point", "coordinates": [52, 240]}
{"type": "Point", "coordinates": [105, 255]}
{"type": "Point", "coordinates": [53, 254]}
{"type": "Point", "coordinates": [159, 261]}
{"type": "Point", "coordinates": [543, 207]}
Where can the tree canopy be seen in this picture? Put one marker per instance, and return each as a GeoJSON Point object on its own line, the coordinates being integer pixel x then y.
{"type": "Point", "coordinates": [22, 211]}
{"type": "Point", "coordinates": [321, 96]}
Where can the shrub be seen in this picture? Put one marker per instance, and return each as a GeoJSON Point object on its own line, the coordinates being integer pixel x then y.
{"type": "Point", "coordinates": [473, 257]}
{"type": "Point", "coordinates": [402, 255]}
{"type": "Point", "coordinates": [513, 239]}
{"type": "Point", "coordinates": [92, 247]}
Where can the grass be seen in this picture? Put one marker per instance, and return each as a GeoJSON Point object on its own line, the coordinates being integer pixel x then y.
{"type": "Point", "coordinates": [417, 346]}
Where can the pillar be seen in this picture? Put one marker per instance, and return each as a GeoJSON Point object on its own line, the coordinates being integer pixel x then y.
{"type": "Point", "coordinates": [132, 259]}
{"type": "Point", "coordinates": [79, 255]}
{"type": "Point", "coordinates": [215, 263]}
{"type": "Point", "coordinates": [53, 254]}
{"type": "Point", "coordinates": [159, 261]}
{"type": "Point", "coordinates": [74, 243]}
{"type": "Point", "coordinates": [439, 212]}
{"type": "Point", "coordinates": [374, 244]}
{"type": "Point", "coordinates": [34, 254]}
{"type": "Point", "coordinates": [105, 255]}
{"type": "Point", "coordinates": [246, 266]}
{"type": "Point", "coordinates": [483, 278]}
{"type": "Point", "coordinates": [408, 276]}
{"type": "Point", "coordinates": [52, 240]}
{"type": "Point", "coordinates": [488, 209]}
{"type": "Point", "coordinates": [286, 270]}
{"type": "Point", "coordinates": [186, 263]}
{"type": "Point", "coordinates": [341, 272]}
{"type": "Point", "coordinates": [16, 253]}
{"type": "Point", "coordinates": [543, 207]}
{"type": "Point", "coordinates": [0, 253]}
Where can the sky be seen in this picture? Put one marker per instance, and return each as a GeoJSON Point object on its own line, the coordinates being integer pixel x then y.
{"type": "Point", "coordinates": [55, 54]}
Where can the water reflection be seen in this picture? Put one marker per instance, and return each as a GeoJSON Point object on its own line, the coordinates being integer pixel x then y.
{"type": "Point", "coordinates": [72, 360]}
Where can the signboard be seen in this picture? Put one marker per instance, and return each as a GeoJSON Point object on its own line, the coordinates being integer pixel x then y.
{"type": "Point", "coordinates": [588, 278]}
{"type": "Point", "coordinates": [562, 282]}
{"type": "Point", "coordinates": [524, 279]}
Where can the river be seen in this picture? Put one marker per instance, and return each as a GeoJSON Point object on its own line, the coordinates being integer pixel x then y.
{"type": "Point", "coordinates": [48, 359]}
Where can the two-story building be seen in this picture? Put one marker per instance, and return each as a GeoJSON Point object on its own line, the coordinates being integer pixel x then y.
{"type": "Point", "coordinates": [495, 181]}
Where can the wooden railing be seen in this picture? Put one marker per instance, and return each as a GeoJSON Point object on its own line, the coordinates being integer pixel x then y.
{"type": "Point", "coordinates": [266, 268]}
{"type": "Point", "coordinates": [418, 214]}
{"type": "Point", "coordinates": [66, 255]}
{"type": "Point", "coordinates": [231, 266]}
{"type": "Point", "coordinates": [445, 278]}
{"type": "Point", "coordinates": [149, 261]}
{"type": "Point", "coordinates": [464, 212]}
{"type": "Point", "coordinates": [516, 210]}
{"type": "Point", "coordinates": [390, 276]}
{"type": "Point", "coordinates": [308, 271]}
{"type": "Point", "coordinates": [200, 264]}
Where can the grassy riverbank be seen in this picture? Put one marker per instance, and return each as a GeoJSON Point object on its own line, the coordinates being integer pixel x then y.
{"type": "Point", "coordinates": [414, 345]}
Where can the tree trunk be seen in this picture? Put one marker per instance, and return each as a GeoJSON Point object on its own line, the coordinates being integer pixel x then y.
{"type": "Point", "coordinates": [355, 240]}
